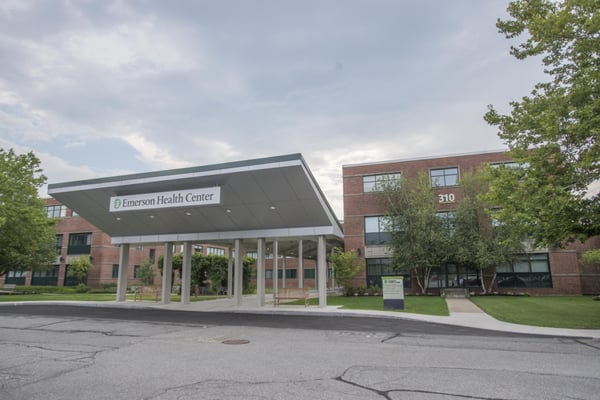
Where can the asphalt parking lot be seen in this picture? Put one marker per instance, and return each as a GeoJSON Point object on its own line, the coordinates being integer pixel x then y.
{"type": "Point", "coordinates": [78, 353]}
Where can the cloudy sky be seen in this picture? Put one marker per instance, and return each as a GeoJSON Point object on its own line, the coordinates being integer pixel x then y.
{"type": "Point", "coordinates": [99, 88]}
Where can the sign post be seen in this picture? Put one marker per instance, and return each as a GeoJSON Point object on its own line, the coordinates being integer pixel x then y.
{"type": "Point", "coordinates": [393, 292]}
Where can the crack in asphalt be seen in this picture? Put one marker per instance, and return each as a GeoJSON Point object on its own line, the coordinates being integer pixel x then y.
{"type": "Point", "coordinates": [386, 393]}
{"type": "Point", "coordinates": [86, 360]}
{"type": "Point", "coordinates": [587, 344]}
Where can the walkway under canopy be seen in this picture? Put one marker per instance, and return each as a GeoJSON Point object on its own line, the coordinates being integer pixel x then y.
{"type": "Point", "coordinates": [245, 205]}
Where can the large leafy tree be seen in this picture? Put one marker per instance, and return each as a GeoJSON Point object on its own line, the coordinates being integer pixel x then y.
{"type": "Point", "coordinates": [27, 235]}
{"type": "Point", "coordinates": [420, 238]}
{"type": "Point", "coordinates": [553, 133]}
{"type": "Point", "coordinates": [478, 241]}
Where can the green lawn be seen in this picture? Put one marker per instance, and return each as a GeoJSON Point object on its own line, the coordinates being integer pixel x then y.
{"type": "Point", "coordinates": [58, 296]}
{"type": "Point", "coordinates": [88, 297]}
{"type": "Point", "coordinates": [580, 312]}
{"type": "Point", "coordinates": [430, 305]}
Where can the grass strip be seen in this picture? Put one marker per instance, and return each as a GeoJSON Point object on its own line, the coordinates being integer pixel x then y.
{"type": "Point", "coordinates": [576, 312]}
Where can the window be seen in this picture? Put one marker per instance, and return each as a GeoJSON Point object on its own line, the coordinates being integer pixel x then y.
{"type": "Point", "coordinates": [309, 273]}
{"type": "Point", "coordinates": [80, 243]}
{"type": "Point", "coordinates": [376, 183]}
{"type": "Point", "coordinates": [443, 177]}
{"type": "Point", "coordinates": [528, 270]}
{"type": "Point", "coordinates": [454, 276]}
{"type": "Point", "coordinates": [136, 272]}
{"type": "Point", "coordinates": [378, 267]}
{"type": "Point", "coordinates": [115, 271]}
{"type": "Point", "coordinates": [197, 248]}
{"type": "Point", "coordinates": [59, 211]}
{"type": "Point", "coordinates": [510, 165]}
{"type": "Point", "coordinates": [58, 245]}
{"type": "Point", "coordinates": [16, 277]}
{"type": "Point", "coordinates": [45, 278]}
{"type": "Point", "coordinates": [377, 231]}
{"type": "Point", "coordinates": [448, 219]}
{"type": "Point", "coordinates": [290, 273]}
{"type": "Point", "coordinates": [252, 254]}
{"type": "Point", "coordinates": [215, 251]}
{"type": "Point", "coordinates": [152, 256]}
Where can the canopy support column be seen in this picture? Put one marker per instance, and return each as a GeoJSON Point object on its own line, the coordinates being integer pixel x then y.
{"type": "Point", "coordinates": [300, 265]}
{"type": "Point", "coordinates": [122, 280]}
{"type": "Point", "coordinates": [239, 271]}
{"type": "Point", "coordinates": [322, 271]}
{"type": "Point", "coordinates": [167, 271]}
{"type": "Point", "coordinates": [260, 272]}
{"type": "Point", "coordinates": [186, 273]}
{"type": "Point", "coordinates": [230, 274]}
{"type": "Point", "coordinates": [283, 271]}
{"type": "Point", "coordinates": [275, 267]}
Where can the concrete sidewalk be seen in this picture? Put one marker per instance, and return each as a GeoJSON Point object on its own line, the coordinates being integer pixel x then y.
{"type": "Point", "coordinates": [462, 313]}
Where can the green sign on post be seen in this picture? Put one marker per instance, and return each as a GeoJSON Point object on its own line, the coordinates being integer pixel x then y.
{"type": "Point", "coordinates": [393, 292]}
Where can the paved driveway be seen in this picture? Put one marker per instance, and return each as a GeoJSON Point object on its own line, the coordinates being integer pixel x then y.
{"type": "Point", "coordinates": [107, 355]}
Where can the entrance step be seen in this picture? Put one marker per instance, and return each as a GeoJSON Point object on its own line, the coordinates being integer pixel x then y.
{"type": "Point", "coordinates": [455, 293]}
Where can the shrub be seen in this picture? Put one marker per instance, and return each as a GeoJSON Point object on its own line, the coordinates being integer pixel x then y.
{"type": "Point", "coordinates": [81, 288]}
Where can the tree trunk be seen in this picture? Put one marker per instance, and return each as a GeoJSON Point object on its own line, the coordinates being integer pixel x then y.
{"type": "Point", "coordinates": [423, 289]}
{"type": "Point", "coordinates": [486, 291]}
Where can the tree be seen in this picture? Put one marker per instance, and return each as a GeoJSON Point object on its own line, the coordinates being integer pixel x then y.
{"type": "Point", "coordinates": [479, 242]}
{"type": "Point", "coordinates": [420, 239]}
{"type": "Point", "coordinates": [210, 270]}
{"type": "Point", "coordinates": [591, 257]}
{"type": "Point", "coordinates": [146, 273]}
{"type": "Point", "coordinates": [346, 266]}
{"type": "Point", "coordinates": [27, 235]}
{"type": "Point", "coordinates": [554, 132]}
{"type": "Point", "coordinates": [79, 268]}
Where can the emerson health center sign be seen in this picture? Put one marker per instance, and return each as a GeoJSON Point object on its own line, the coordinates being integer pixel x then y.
{"type": "Point", "coordinates": [180, 198]}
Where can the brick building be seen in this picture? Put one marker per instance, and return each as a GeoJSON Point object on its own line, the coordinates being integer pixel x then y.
{"type": "Point", "coordinates": [543, 271]}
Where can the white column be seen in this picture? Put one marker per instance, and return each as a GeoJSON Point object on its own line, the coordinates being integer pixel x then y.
{"type": "Point", "coordinates": [300, 265]}
{"type": "Point", "coordinates": [260, 272]}
{"type": "Point", "coordinates": [283, 272]}
{"type": "Point", "coordinates": [230, 274]}
{"type": "Point", "coordinates": [122, 280]}
{"type": "Point", "coordinates": [186, 273]}
{"type": "Point", "coordinates": [239, 271]}
{"type": "Point", "coordinates": [275, 267]}
{"type": "Point", "coordinates": [322, 271]}
{"type": "Point", "coordinates": [167, 271]}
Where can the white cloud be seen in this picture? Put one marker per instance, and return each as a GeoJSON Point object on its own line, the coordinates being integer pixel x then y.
{"type": "Point", "coordinates": [152, 154]}
{"type": "Point", "coordinates": [172, 85]}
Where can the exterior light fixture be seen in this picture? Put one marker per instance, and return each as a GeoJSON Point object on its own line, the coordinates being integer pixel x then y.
{"type": "Point", "coordinates": [228, 210]}
{"type": "Point", "coordinates": [152, 217]}
{"type": "Point", "coordinates": [272, 207]}
{"type": "Point", "coordinates": [188, 213]}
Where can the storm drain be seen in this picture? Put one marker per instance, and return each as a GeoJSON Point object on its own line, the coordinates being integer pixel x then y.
{"type": "Point", "coordinates": [235, 341]}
